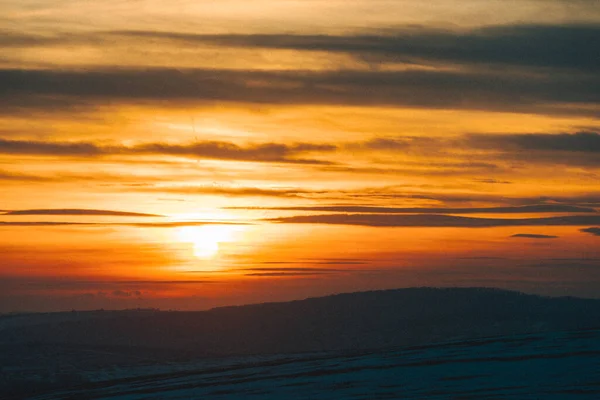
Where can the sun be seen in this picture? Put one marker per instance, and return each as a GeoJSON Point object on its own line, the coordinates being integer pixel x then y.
{"type": "Point", "coordinates": [206, 239]}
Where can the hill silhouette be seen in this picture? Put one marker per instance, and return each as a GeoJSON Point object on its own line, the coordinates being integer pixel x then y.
{"type": "Point", "coordinates": [355, 321]}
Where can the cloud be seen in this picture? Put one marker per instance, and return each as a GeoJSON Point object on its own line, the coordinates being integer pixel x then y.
{"type": "Point", "coordinates": [389, 144]}
{"type": "Point", "coordinates": [43, 223]}
{"type": "Point", "coordinates": [593, 231]}
{"type": "Point", "coordinates": [124, 293]}
{"type": "Point", "coordinates": [131, 224]}
{"type": "Point", "coordinates": [576, 148]}
{"type": "Point", "coordinates": [236, 191]}
{"type": "Point", "coordinates": [349, 261]}
{"type": "Point", "coordinates": [492, 181]}
{"type": "Point", "coordinates": [533, 236]}
{"type": "Point", "coordinates": [20, 147]}
{"type": "Point", "coordinates": [580, 142]}
{"type": "Point", "coordinates": [591, 199]}
{"type": "Point", "coordinates": [265, 152]}
{"type": "Point", "coordinates": [409, 193]}
{"type": "Point", "coordinates": [293, 269]}
{"type": "Point", "coordinates": [542, 208]}
{"type": "Point", "coordinates": [284, 274]}
{"type": "Point", "coordinates": [269, 152]}
{"type": "Point", "coordinates": [23, 89]}
{"type": "Point", "coordinates": [558, 46]}
{"type": "Point", "coordinates": [10, 38]}
{"type": "Point", "coordinates": [77, 211]}
{"type": "Point", "coordinates": [430, 169]}
{"type": "Point", "coordinates": [17, 177]}
{"type": "Point", "coordinates": [434, 220]}
{"type": "Point", "coordinates": [549, 46]}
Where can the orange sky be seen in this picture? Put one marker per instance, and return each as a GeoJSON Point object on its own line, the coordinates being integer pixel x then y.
{"type": "Point", "coordinates": [252, 132]}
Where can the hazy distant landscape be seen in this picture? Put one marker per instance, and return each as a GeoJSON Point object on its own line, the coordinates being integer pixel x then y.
{"type": "Point", "coordinates": [107, 354]}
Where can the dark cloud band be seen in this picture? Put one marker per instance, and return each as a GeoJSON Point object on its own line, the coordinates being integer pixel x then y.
{"type": "Point", "coordinates": [264, 152]}
{"type": "Point", "coordinates": [77, 211]}
{"type": "Point", "coordinates": [480, 90]}
{"type": "Point", "coordinates": [533, 236]}
{"type": "Point", "coordinates": [543, 208]}
{"type": "Point", "coordinates": [549, 46]}
{"type": "Point", "coordinates": [386, 220]}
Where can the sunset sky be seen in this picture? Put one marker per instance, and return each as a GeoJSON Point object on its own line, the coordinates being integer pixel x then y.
{"type": "Point", "coordinates": [187, 154]}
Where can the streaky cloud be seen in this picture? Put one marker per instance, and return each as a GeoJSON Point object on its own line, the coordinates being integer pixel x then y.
{"type": "Point", "coordinates": [130, 224]}
{"type": "Point", "coordinates": [44, 223]}
{"type": "Point", "coordinates": [237, 191]}
{"type": "Point", "coordinates": [533, 236]}
{"type": "Point", "coordinates": [590, 200]}
{"type": "Point", "coordinates": [318, 262]}
{"type": "Point", "coordinates": [18, 177]}
{"type": "Point", "coordinates": [294, 269]}
{"type": "Point", "coordinates": [594, 231]}
{"type": "Point", "coordinates": [584, 142]}
{"type": "Point", "coordinates": [284, 274]}
{"type": "Point", "coordinates": [93, 283]}
{"type": "Point", "coordinates": [433, 220]}
{"type": "Point", "coordinates": [542, 208]}
{"type": "Point", "coordinates": [568, 46]}
{"type": "Point", "coordinates": [27, 89]}
{"type": "Point", "coordinates": [79, 211]}
{"type": "Point", "coordinates": [264, 152]}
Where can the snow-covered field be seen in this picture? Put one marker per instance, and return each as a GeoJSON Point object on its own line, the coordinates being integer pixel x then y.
{"type": "Point", "coordinates": [555, 365]}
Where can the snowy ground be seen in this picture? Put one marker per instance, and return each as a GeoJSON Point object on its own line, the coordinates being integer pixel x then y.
{"type": "Point", "coordinates": [559, 365]}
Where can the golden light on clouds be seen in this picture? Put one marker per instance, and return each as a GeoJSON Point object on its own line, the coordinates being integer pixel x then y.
{"type": "Point", "coordinates": [324, 145]}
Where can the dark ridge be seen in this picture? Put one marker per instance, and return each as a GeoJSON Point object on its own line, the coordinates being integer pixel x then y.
{"type": "Point", "coordinates": [365, 320]}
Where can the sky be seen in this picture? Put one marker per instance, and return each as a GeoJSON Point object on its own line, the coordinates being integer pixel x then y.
{"type": "Point", "coordinates": [192, 154]}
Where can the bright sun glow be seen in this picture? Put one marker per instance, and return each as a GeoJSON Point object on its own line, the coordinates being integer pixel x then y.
{"type": "Point", "coordinates": [206, 239]}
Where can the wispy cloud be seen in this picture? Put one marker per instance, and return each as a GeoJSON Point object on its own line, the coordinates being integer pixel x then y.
{"type": "Point", "coordinates": [19, 177]}
{"type": "Point", "coordinates": [298, 271]}
{"type": "Point", "coordinates": [78, 211]}
{"type": "Point", "coordinates": [541, 208]}
{"type": "Point", "coordinates": [593, 231]}
{"type": "Point", "coordinates": [265, 152]}
{"type": "Point", "coordinates": [533, 236]}
{"type": "Point", "coordinates": [349, 261]}
{"type": "Point", "coordinates": [550, 46]}
{"type": "Point", "coordinates": [284, 274]}
{"type": "Point", "coordinates": [581, 142]}
{"type": "Point", "coordinates": [131, 224]}
{"type": "Point", "coordinates": [543, 203]}
{"type": "Point", "coordinates": [238, 191]}
{"type": "Point", "coordinates": [293, 269]}
{"type": "Point", "coordinates": [558, 46]}
{"type": "Point", "coordinates": [91, 283]}
{"type": "Point", "coordinates": [434, 220]}
{"type": "Point", "coordinates": [480, 90]}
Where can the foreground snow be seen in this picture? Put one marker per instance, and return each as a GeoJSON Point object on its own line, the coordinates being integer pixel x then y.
{"type": "Point", "coordinates": [556, 365]}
